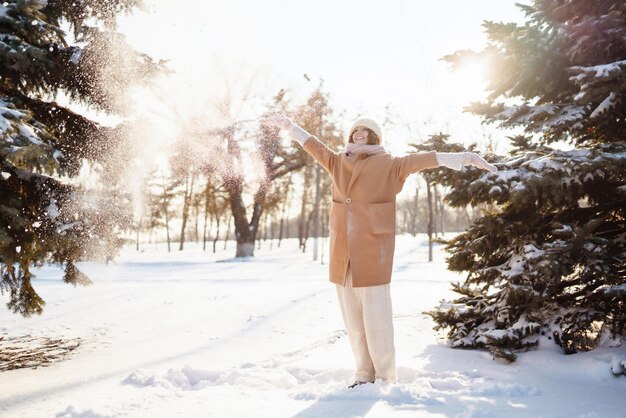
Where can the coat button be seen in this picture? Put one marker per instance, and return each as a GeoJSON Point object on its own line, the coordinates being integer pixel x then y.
{"type": "Point", "coordinates": [348, 200]}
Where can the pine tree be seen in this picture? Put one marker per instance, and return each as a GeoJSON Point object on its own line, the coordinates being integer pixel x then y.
{"type": "Point", "coordinates": [43, 218]}
{"type": "Point", "coordinates": [550, 258]}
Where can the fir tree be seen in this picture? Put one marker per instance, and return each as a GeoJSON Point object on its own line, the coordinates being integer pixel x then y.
{"type": "Point", "coordinates": [551, 258]}
{"type": "Point", "coordinates": [43, 218]}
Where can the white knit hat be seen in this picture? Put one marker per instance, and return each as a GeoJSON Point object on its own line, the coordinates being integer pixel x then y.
{"type": "Point", "coordinates": [368, 123]}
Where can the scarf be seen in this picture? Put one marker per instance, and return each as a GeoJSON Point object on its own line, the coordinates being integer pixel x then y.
{"type": "Point", "coordinates": [356, 150]}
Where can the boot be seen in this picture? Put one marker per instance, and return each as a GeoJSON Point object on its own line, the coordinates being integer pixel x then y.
{"type": "Point", "coordinates": [357, 383]}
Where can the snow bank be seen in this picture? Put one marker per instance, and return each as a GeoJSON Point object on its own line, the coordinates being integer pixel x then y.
{"type": "Point", "coordinates": [194, 334]}
{"type": "Point", "coordinates": [71, 412]}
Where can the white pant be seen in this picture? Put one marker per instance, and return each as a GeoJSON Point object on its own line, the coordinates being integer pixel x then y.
{"type": "Point", "coordinates": [368, 318]}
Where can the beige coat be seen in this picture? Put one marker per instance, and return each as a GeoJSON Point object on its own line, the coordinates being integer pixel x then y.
{"type": "Point", "coordinates": [363, 213]}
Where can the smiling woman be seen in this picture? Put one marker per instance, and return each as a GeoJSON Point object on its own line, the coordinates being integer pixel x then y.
{"type": "Point", "coordinates": [366, 180]}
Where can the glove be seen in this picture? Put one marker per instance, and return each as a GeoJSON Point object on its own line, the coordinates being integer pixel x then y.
{"type": "Point", "coordinates": [456, 160]}
{"type": "Point", "coordinates": [280, 121]}
{"type": "Point", "coordinates": [295, 132]}
{"type": "Point", "coordinates": [471, 158]}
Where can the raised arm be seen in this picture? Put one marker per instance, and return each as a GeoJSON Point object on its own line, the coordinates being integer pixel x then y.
{"type": "Point", "coordinates": [316, 148]}
{"type": "Point", "coordinates": [413, 163]}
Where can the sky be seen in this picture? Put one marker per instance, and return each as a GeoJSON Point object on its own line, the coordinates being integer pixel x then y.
{"type": "Point", "coordinates": [378, 57]}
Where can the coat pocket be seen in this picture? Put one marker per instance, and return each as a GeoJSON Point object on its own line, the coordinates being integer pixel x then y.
{"type": "Point", "coordinates": [382, 217]}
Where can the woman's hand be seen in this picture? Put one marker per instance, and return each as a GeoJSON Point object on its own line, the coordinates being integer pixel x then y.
{"type": "Point", "coordinates": [280, 121]}
{"type": "Point", "coordinates": [295, 132]}
{"type": "Point", "coordinates": [471, 158]}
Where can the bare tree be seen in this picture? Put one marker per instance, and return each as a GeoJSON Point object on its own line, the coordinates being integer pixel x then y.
{"type": "Point", "coordinates": [303, 219]}
{"type": "Point", "coordinates": [166, 190]}
{"type": "Point", "coordinates": [215, 207]}
{"type": "Point", "coordinates": [277, 162]}
{"type": "Point", "coordinates": [286, 188]}
{"type": "Point", "coordinates": [187, 196]}
{"type": "Point", "coordinates": [431, 221]}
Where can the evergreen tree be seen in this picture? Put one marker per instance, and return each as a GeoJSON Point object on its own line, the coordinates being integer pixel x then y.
{"type": "Point", "coordinates": [43, 143]}
{"type": "Point", "coordinates": [550, 258]}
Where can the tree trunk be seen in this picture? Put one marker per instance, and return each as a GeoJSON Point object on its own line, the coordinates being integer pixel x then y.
{"type": "Point", "coordinates": [307, 226]}
{"type": "Point", "coordinates": [302, 219]}
{"type": "Point", "coordinates": [137, 235]}
{"type": "Point", "coordinates": [282, 214]}
{"type": "Point", "coordinates": [281, 228]}
{"type": "Point", "coordinates": [186, 203]}
{"type": "Point", "coordinates": [245, 234]}
{"type": "Point", "coordinates": [217, 233]}
{"type": "Point", "coordinates": [316, 211]}
{"type": "Point", "coordinates": [262, 237]}
{"type": "Point", "coordinates": [430, 220]}
{"type": "Point", "coordinates": [167, 230]}
{"type": "Point", "coordinates": [436, 209]}
{"type": "Point", "coordinates": [272, 232]}
{"type": "Point", "coordinates": [205, 229]}
{"type": "Point", "coordinates": [442, 215]}
{"type": "Point", "coordinates": [230, 219]}
{"type": "Point", "coordinates": [325, 229]}
{"type": "Point", "coordinates": [414, 213]}
{"type": "Point", "coordinates": [196, 212]}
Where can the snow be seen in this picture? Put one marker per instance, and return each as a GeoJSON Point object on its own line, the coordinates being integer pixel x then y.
{"type": "Point", "coordinates": [495, 190]}
{"type": "Point", "coordinates": [515, 266]}
{"type": "Point", "coordinates": [505, 175]}
{"type": "Point", "coordinates": [618, 365]}
{"type": "Point", "coordinates": [540, 110]}
{"type": "Point", "coordinates": [196, 334]}
{"type": "Point", "coordinates": [62, 228]}
{"type": "Point", "coordinates": [29, 133]}
{"type": "Point", "coordinates": [531, 252]}
{"type": "Point", "coordinates": [543, 163]}
{"type": "Point", "coordinates": [606, 104]}
{"type": "Point", "coordinates": [76, 56]}
{"type": "Point", "coordinates": [5, 175]}
{"type": "Point", "coordinates": [615, 155]}
{"type": "Point", "coordinates": [4, 123]}
{"type": "Point", "coordinates": [564, 229]}
{"type": "Point", "coordinates": [604, 70]}
{"type": "Point", "coordinates": [53, 209]}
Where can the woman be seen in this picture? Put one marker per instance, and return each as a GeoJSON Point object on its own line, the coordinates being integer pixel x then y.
{"type": "Point", "coordinates": [366, 180]}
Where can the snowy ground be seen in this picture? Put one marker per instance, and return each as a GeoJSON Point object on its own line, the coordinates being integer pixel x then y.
{"type": "Point", "coordinates": [198, 334]}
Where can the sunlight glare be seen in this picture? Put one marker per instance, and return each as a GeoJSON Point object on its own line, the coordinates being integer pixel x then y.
{"type": "Point", "coordinates": [468, 80]}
